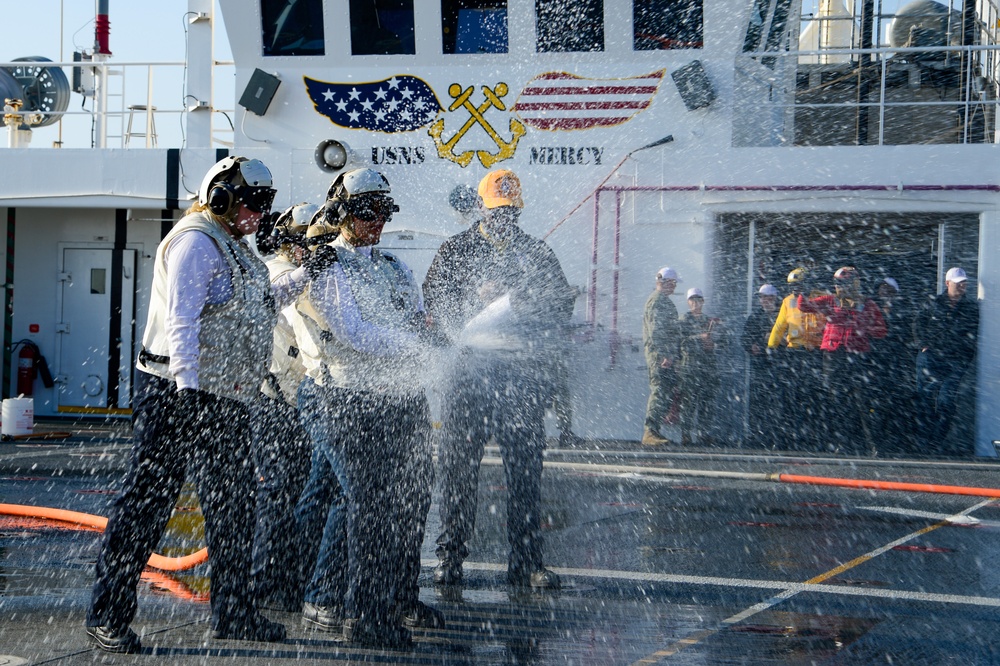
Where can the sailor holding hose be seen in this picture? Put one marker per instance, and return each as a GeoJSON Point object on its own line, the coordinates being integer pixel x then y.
{"type": "Point", "coordinates": [206, 349]}
{"type": "Point", "coordinates": [501, 294]}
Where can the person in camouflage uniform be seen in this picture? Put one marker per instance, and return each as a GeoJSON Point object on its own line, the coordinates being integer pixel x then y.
{"type": "Point", "coordinates": [660, 337]}
{"type": "Point", "coordinates": [701, 339]}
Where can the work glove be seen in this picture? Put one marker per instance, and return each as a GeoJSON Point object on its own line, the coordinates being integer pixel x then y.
{"type": "Point", "coordinates": [193, 408]}
{"type": "Point", "coordinates": [265, 237]}
{"type": "Point", "coordinates": [321, 259]}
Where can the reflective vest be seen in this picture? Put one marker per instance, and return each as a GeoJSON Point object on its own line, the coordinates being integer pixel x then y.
{"type": "Point", "coordinates": [236, 336]}
{"type": "Point", "coordinates": [386, 296]}
{"type": "Point", "coordinates": [287, 370]}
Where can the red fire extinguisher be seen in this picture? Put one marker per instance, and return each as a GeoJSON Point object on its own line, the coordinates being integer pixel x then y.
{"type": "Point", "coordinates": [30, 364]}
{"type": "Point", "coordinates": [26, 372]}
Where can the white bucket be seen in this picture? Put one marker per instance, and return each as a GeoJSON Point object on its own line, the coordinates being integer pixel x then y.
{"type": "Point", "coordinates": [18, 416]}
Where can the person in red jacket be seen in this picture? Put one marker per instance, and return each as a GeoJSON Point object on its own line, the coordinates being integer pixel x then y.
{"type": "Point", "coordinates": [852, 321]}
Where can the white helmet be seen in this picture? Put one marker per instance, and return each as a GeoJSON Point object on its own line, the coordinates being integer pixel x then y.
{"type": "Point", "coordinates": [298, 218]}
{"type": "Point", "coordinates": [285, 229]}
{"type": "Point", "coordinates": [360, 191]}
{"type": "Point", "coordinates": [234, 180]}
{"type": "Point", "coordinates": [357, 181]}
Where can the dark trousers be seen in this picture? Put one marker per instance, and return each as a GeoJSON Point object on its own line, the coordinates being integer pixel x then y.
{"type": "Point", "coordinates": [214, 446]}
{"type": "Point", "coordinates": [699, 390]}
{"type": "Point", "coordinates": [320, 512]}
{"type": "Point", "coordinates": [562, 400]}
{"type": "Point", "coordinates": [938, 382]}
{"type": "Point", "coordinates": [763, 406]}
{"type": "Point", "coordinates": [847, 418]}
{"type": "Point", "coordinates": [801, 396]}
{"type": "Point", "coordinates": [896, 420]}
{"type": "Point", "coordinates": [364, 443]}
{"type": "Point", "coordinates": [503, 400]}
{"type": "Point", "coordinates": [281, 451]}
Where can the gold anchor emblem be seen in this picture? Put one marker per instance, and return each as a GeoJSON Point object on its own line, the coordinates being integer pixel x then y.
{"type": "Point", "coordinates": [446, 150]}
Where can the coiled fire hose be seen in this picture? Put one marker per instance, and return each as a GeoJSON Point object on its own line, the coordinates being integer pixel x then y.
{"type": "Point", "coordinates": [156, 561]}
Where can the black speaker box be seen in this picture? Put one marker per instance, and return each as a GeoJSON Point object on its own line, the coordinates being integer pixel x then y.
{"type": "Point", "coordinates": [259, 92]}
{"type": "Point", "coordinates": [694, 85]}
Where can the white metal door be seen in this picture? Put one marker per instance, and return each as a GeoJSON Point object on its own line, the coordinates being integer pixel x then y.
{"type": "Point", "coordinates": [90, 307]}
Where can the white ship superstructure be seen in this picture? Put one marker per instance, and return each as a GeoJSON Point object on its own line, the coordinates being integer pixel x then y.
{"type": "Point", "coordinates": [733, 141]}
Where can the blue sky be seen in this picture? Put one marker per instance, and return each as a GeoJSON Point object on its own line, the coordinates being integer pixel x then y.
{"type": "Point", "coordinates": [141, 31]}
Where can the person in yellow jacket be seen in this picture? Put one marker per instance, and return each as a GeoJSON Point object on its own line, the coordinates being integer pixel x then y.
{"type": "Point", "coordinates": [793, 328]}
{"type": "Point", "coordinates": [796, 337]}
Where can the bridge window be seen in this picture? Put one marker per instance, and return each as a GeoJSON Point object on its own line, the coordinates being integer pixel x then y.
{"type": "Point", "coordinates": [292, 27]}
{"type": "Point", "coordinates": [667, 24]}
{"type": "Point", "coordinates": [569, 25]}
{"type": "Point", "coordinates": [382, 27]}
{"type": "Point", "coordinates": [846, 73]}
{"type": "Point", "coordinates": [474, 26]}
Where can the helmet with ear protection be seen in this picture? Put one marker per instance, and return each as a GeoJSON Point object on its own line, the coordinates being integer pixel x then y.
{"type": "Point", "coordinates": [234, 180]}
{"type": "Point", "coordinates": [221, 198]}
{"type": "Point", "coordinates": [356, 190]}
{"type": "Point", "coordinates": [285, 230]}
{"type": "Point", "coordinates": [296, 219]}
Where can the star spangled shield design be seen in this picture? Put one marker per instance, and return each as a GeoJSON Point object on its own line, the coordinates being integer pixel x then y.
{"type": "Point", "coordinates": [400, 103]}
{"type": "Point", "coordinates": [563, 101]}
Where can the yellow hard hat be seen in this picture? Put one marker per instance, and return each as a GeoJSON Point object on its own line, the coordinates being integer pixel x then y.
{"type": "Point", "coordinates": [797, 275]}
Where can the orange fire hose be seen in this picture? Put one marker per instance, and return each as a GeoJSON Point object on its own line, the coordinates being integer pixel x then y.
{"type": "Point", "coordinates": [161, 562]}
{"type": "Point", "coordinates": [175, 587]}
{"type": "Point", "coordinates": [774, 477]}
{"type": "Point", "coordinates": [889, 485]}
{"type": "Point", "coordinates": [164, 563]}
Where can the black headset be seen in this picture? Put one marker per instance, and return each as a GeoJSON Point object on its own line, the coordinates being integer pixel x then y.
{"type": "Point", "coordinates": [222, 198]}
{"type": "Point", "coordinates": [336, 199]}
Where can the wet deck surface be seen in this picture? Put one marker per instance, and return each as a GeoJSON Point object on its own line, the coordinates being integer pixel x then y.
{"type": "Point", "coordinates": [659, 569]}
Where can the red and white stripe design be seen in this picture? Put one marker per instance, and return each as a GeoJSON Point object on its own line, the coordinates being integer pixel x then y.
{"type": "Point", "coordinates": [562, 101]}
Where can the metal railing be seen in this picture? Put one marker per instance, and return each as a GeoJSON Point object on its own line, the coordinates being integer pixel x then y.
{"type": "Point", "coordinates": [973, 73]}
{"type": "Point", "coordinates": [131, 84]}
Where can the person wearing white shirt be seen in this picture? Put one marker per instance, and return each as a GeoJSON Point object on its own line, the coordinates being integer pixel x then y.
{"type": "Point", "coordinates": [205, 351]}
{"type": "Point", "coordinates": [281, 446]}
{"type": "Point", "coordinates": [362, 338]}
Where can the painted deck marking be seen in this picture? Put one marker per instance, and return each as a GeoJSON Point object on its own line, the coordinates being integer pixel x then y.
{"type": "Point", "coordinates": [958, 519]}
{"type": "Point", "coordinates": [810, 585]}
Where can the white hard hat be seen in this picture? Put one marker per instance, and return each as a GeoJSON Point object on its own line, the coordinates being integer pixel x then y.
{"type": "Point", "coordinates": [768, 290]}
{"type": "Point", "coordinates": [296, 219]}
{"type": "Point", "coordinates": [667, 273]}
{"type": "Point", "coordinates": [956, 275]}
{"type": "Point", "coordinates": [695, 292]}
{"type": "Point", "coordinates": [252, 172]}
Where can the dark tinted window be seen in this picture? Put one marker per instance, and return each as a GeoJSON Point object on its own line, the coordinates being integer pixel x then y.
{"type": "Point", "coordinates": [569, 25]}
{"type": "Point", "coordinates": [474, 26]}
{"type": "Point", "coordinates": [667, 24]}
{"type": "Point", "coordinates": [758, 16]}
{"type": "Point", "coordinates": [380, 27]}
{"type": "Point", "coordinates": [292, 27]}
{"type": "Point", "coordinates": [768, 28]}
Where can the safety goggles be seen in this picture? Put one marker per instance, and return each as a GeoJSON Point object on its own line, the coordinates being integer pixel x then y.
{"type": "Point", "coordinates": [257, 199]}
{"type": "Point", "coordinates": [372, 207]}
